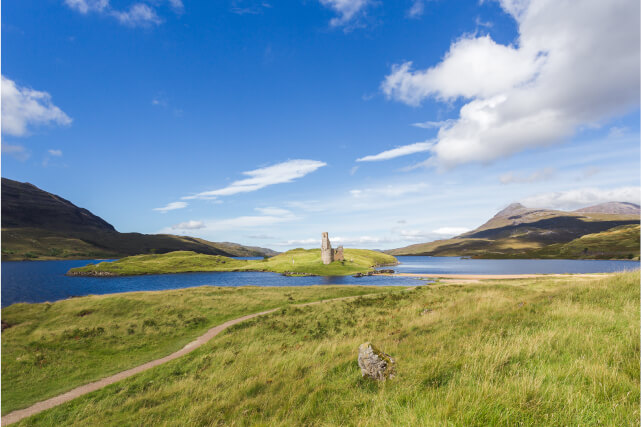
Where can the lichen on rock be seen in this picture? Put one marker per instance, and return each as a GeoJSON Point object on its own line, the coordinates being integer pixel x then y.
{"type": "Point", "coordinates": [374, 363]}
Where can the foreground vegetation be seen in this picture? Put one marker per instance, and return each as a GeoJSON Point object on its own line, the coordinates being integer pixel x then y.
{"type": "Point", "coordinates": [549, 351]}
{"type": "Point", "coordinates": [296, 261]}
{"type": "Point", "coordinates": [50, 348]}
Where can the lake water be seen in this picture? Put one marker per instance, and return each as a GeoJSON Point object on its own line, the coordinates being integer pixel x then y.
{"type": "Point", "coordinates": [39, 281]}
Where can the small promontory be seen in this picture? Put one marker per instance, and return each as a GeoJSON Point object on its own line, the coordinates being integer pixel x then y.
{"type": "Point", "coordinates": [293, 262]}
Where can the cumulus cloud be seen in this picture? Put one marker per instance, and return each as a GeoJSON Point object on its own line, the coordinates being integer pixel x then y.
{"type": "Point", "coordinates": [417, 9]}
{"type": "Point", "coordinates": [347, 10]}
{"type": "Point", "coordinates": [450, 231]}
{"type": "Point", "coordinates": [23, 108]}
{"type": "Point", "coordinates": [138, 14]}
{"type": "Point", "coordinates": [536, 176]}
{"type": "Point", "coordinates": [86, 6]}
{"type": "Point", "coordinates": [582, 197]}
{"type": "Point", "coordinates": [55, 153]}
{"type": "Point", "coordinates": [189, 225]}
{"type": "Point", "coordinates": [571, 67]}
{"type": "Point", "coordinates": [404, 150]}
{"type": "Point", "coordinates": [172, 206]}
{"type": "Point", "coordinates": [260, 178]}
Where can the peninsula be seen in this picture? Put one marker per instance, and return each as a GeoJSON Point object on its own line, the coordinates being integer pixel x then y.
{"type": "Point", "coordinates": [296, 262]}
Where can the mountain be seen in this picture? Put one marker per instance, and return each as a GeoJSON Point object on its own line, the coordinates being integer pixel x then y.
{"type": "Point", "coordinates": [40, 225]}
{"type": "Point", "coordinates": [620, 208]}
{"type": "Point", "coordinates": [518, 232]}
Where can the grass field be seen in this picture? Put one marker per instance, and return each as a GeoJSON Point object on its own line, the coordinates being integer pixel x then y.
{"type": "Point", "coordinates": [52, 347]}
{"type": "Point", "coordinates": [549, 351]}
{"type": "Point", "coordinates": [301, 261]}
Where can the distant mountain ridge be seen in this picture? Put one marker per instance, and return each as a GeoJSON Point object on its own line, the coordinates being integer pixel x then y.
{"type": "Point", "coordinates": [518, 231]}
{"type": "Point", "coordinates": [41, 225]}
{"type": "Point", "coordinates": [619, 208]}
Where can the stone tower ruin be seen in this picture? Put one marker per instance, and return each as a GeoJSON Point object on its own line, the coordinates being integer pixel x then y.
{"type": "Point", "coordinates": [329, 255]}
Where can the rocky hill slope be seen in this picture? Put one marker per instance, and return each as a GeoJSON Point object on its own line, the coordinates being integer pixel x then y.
{"type": "Point", "coordinates": [40, 225]}
{"type": "Point", "coordinates": [518, 231]}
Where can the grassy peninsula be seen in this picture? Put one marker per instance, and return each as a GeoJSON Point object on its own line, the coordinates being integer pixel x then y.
{"type": "Point", "coordinates": [296, 261]}
{"type": "Point", "coordinates": [550, 351]}
{"type": "Point", "coordinates": [50, 348]}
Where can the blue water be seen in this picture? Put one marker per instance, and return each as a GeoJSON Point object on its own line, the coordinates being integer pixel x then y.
{"type": "Point", "coordinates": [456, 265]}
{"type": "Point", "coordinates": [39, 281]}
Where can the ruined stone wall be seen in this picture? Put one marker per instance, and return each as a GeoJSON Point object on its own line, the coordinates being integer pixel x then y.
{"type": "Point", "coordinates": [338, 254]}
{"type": "Point", "coordinates": [327, 254]}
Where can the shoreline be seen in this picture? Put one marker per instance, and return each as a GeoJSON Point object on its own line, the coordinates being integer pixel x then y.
{"type": "Point", "coordinates": [496, 276]}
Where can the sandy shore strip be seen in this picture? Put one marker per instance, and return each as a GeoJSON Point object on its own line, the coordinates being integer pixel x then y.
{"type": "Point", "coordinates": [495, 276]}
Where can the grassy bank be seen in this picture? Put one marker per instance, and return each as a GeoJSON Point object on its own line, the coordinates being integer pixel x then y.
{"type": "Point", "coordinates": [50, 348]}
{"type": "Point", "coordinates": [551, 351]}
{"type": "Point", "coordinates": [297, 261]}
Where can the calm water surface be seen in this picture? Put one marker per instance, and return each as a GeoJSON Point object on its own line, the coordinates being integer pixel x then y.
{"type": "Point", "coordinates": [39, 281]}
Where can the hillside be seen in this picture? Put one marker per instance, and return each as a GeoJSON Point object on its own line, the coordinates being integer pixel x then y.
{"type": "Point", "coordinates": [518, 231]}
{"type": "Point", "coordinates": [619, 242]}
{"type": "Point", "coordinates": [40, 225]}
{"type": "Point", "coordinates": [295, 262]}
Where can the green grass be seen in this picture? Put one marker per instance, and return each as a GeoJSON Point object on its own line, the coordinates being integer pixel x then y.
{"type": "Point", "coordinates": [299, 261]}
{"type": "Point", "coordinates": [549, 351]}
{"type": "Point", "coordinates": [618, 242]}
{"type": "Point", "coordinates": [51, 348]}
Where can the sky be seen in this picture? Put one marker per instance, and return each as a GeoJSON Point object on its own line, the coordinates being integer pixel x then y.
{"type": "Point", "coordinates": [385, 123]}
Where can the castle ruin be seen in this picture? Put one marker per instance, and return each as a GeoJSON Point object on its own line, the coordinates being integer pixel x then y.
{"type": "Point", "coordinates": [329, 255]}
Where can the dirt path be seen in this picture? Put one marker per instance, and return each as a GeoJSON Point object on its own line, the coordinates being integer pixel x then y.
{"type": "Point", "coordinates": [18, 415]}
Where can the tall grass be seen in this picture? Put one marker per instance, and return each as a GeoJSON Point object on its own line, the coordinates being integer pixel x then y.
{"type": "Point", "coordinates": [551, 351]}
{"type": "Point", "coordinates": [51, 348]}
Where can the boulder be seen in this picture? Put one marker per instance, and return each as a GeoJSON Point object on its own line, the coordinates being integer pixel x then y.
{"type": "Point", "coordinates": [374, 363]}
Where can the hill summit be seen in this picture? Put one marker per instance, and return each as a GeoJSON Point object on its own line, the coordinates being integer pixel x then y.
{"type": "Point", "coordinates": [520, 232]}
{"type": "Point", "coordinates": [40, 225]}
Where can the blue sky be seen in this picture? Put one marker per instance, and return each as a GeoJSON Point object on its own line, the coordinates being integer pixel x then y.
{"type": "Point", "coordinates": [266, 123]}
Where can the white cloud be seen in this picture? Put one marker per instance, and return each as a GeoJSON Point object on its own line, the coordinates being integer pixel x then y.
{"type": "Point", "coordinates": [536, 176]}
{"type": "Point", "coordinates": [390, 190]}
{"type": "Point", "coordinates": [405, 150]}
{"type": "Point", "coordinates": [171, 207]}
{"type": "Point", "coordinates": [450, 231]}
{"type": "Point", "coordinates": [572, 67]}
{"type": "Point", "coordinates": [17, 151]}
{"type": "Point", "coordinates": [189, 225]}
{"type": "Point", "coordinates": [177, 5]}
{"type": "Point", "coordinates": [139, 14]}
{"type": "Point", "coordinates": [85, 6]}
{"type": "Point", "coordinates": [417, 9]}
{"type": "Point", "coordinates": [55, 153]}
{"type": "Point", "coordinates": [347, 10]}
{"type": "Point", "coordinates": [23, 107]}
{"type": "Point", "coordinates": [433, 124]}
{"type": "Point", "coordinates": [582, 197]}
{"type": "Point", "coordinates": [260, 178]}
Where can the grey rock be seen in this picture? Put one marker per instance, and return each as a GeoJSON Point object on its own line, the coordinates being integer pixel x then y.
{"type": "Point", "coordinates": [374, 363]}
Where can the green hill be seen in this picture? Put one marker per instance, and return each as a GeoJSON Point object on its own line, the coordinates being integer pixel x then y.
{"type": "Point", "coordinates": [295, 262]}
{"type": "Point", "coordinates": [40, 225]}
{"type": "Point", "coordinates": [619, 242]}
{"type": "Point", "coordinates": [518, 231]}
